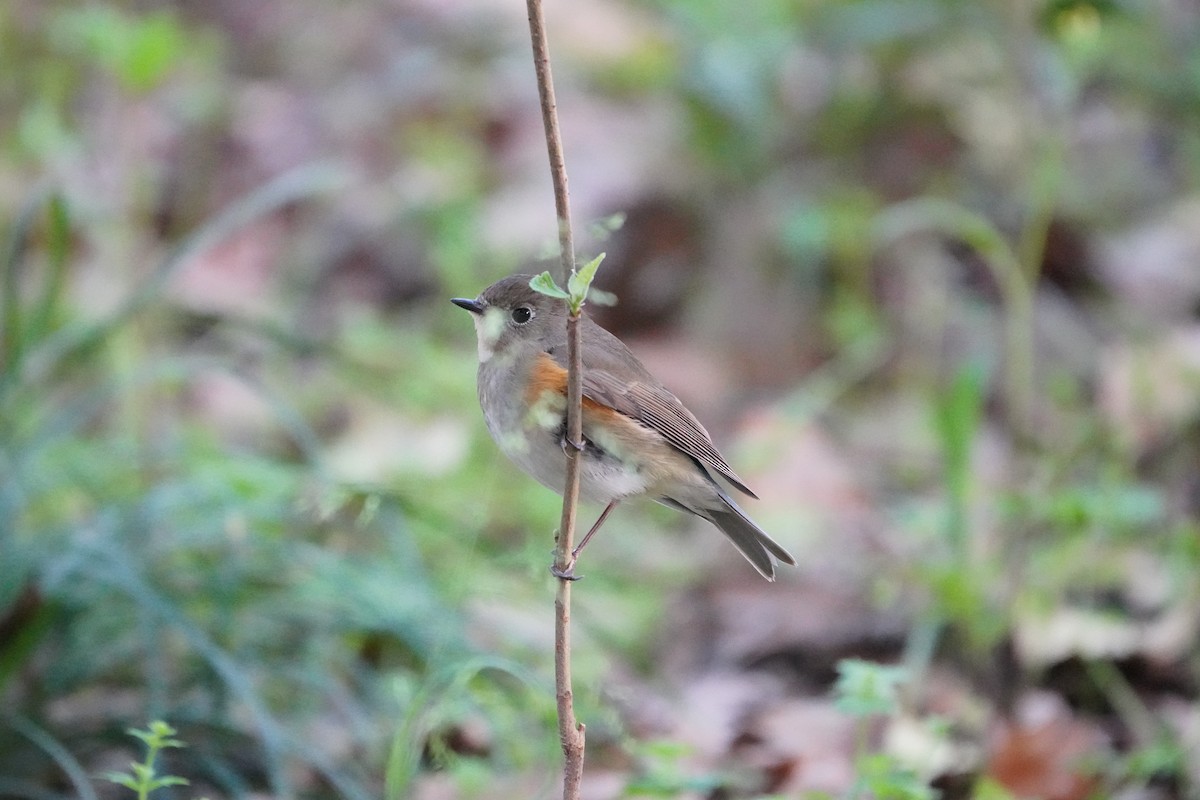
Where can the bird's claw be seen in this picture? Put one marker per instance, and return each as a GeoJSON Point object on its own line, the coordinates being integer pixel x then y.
{"type": "Point", "coordinates": [565, 442]}
{"type": "Point", "coordinates": [567, 574]}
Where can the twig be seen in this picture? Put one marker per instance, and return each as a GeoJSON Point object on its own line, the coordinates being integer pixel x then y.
{"type": "Point", "coordinates": [570, 731]}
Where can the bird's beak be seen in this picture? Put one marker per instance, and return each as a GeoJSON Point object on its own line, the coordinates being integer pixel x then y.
{"type": "Point", "coordinates": [474, 306]}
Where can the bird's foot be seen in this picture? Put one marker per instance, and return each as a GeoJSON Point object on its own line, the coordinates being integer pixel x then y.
{"type": "Point", "coordinates": [566, 444]}
{"type": "Point", "coordinates": [566, 574]}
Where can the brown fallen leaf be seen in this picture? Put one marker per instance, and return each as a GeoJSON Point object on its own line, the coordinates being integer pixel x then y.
{"type": "Point", "coordinates": [803, 745]}
{"type": "Point", "coordinates": [1043, 752]}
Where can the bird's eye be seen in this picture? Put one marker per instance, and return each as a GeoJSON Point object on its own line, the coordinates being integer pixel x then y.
{"type": "Point", "coordinates": [522, 314]}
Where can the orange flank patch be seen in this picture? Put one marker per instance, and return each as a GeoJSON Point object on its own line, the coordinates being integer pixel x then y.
{"type": "Point", "coordinates": [548, 376]}
{"type": "Point", "coordinates": [647, 453]}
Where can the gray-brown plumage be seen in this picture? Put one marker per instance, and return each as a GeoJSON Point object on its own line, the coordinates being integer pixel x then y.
{"type": "Point", "coordinates": [640, 439]}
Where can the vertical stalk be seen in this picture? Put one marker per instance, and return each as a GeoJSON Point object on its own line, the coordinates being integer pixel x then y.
{"type": "Point", "coordinates": [570, 731]}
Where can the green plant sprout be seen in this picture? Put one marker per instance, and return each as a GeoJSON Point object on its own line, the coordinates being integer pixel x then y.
{"type": "Point", "coordinates": [579, 287]}
{"type": "Point", "coordinates": [605, 227]}
{"type": "Point", "coordinates": [141, 778]}
{"type": "Point", "coordinates": [864, 690]}
{"type": "Point", "coordinates": [664, 772]}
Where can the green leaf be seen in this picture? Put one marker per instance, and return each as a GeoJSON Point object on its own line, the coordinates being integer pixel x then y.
{"type": "Point", "coordinates": [545, 284]}
{"type": "Point", "coordinates": [958, 414]}
{"type": "Point", "coordinates": [122, 779]}
{"type": "Point", "coordinates": [154, 45]}
{"type": "Point", "coordinates": [865, 689]}
{"type": "Point", "coordinates": [140, 50]}
{"type": "Point", "coordinates": [146, 736]}
{"type": "Point", "coordinates": [885, 779]}
{"type": "Point", "coordinates": [167, 780]}
{"type": "Point", "coordinates": [601, 297]}
{"type": "Point", "coordinates": [581, 281]}
{"type": "Point", "coordinates": [58, 249]}
{"type": "Point", "coordinates": [990, 789]}
{"type": "Point", "coordinates": [601, 229]}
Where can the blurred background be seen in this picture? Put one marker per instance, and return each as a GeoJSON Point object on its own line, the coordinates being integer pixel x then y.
{"type": "Point", "coordinates": [928, 270]}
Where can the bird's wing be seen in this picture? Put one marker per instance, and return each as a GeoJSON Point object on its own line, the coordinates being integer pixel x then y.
{"type": "Point", "coordinates": [643, 398]}
{"type": "Point", "coordinates": [655, 407]}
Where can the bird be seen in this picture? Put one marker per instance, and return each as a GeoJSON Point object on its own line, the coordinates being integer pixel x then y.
{"type": "Point", "coordinates": [639, 440]}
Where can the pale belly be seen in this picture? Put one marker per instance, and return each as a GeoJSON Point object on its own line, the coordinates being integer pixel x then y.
{"type": "Point", "coordinates": [621, 457]}
{"type": "Point", "coordinates": [603, 475]}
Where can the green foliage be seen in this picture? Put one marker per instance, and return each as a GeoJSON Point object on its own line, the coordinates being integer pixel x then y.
{"type": "Point", "coordinates": [580, 282]}
{"type": "Point", "coordinates": [663, 773]}
{"type": "Point", "coordinates": [545, 284]}
{"type": "Point", "coordinates": [867, 690]}
{"type": "Point", "coordinates": [446, 697]}
{"type": "Point", "coordinates": [1165, 757]}
{"type": "Point", "coordinates": [158, 562]}
{"type": "Point", "coordinates": [245, 590]}
{"type": "Point", "coordinates": [957, 414]}
{"type": "Point", "coordinates": [53, 52]}
{"type": "Point", "coordinates": [140, 51]}
{"type": "Point", "coordinates": [142, 778]}
{"type": "Point", "coordinates": [728, 57]}
{"type": "Point", "coordinates": [880, 777]}
{"type": "Point", "coordinates": [603, 229]}
{"type": "Point", "coordinates": [162, 561]}
{"type": "Point", "coordinates": [449, 223]}
{"type": "Point", "coordinates": [579, 286]}
{"type": "Point", "coordinates": [989, 789]}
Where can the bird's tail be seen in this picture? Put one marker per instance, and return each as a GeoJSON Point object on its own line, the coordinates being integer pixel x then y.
{"type": "Point", "coordinates": [750, 540]}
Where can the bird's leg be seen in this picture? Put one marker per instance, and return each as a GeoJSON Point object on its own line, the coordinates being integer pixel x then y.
{"type": "Point", "coordinates": [595, 527]}
{"type": "Point", "coordinates": [568, 574]}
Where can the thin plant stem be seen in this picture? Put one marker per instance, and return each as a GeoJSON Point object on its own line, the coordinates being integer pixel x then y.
{"type": "Point", "coordinates": [1016, 290]}
{"type": "Point", "coordinates": [570, 731]}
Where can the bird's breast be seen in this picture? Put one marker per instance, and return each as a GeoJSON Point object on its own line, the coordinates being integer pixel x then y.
{"type": "Point", "coordinates": [525, 413]}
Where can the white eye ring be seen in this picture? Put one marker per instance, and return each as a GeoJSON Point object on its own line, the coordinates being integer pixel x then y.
{"type": "Point", "coordinates": [522, 314]}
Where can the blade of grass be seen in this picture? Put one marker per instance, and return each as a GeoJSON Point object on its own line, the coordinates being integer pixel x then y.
{"type": "Point", "coordinates": [957, 414]}
{"type": "Point", "coordinates": [75, 415]}
{"type": "Point", "coordinates": [23, 790]}
{"type": "Point", "coordinates": [58, 248]}
{"type": "Point", "coordinates": [18, 646]}
{"type": "Point", "coordinates": [12, 342]}
{"type": "Point", "coordinates": [926, 214]}
{"type": "Point", "coordinates": [114, 567]}
{"type": "Point", "coordinates": [57, 751]}
{"type": "Point", "coordinates": [101, 559]}
{"type": "Point", "coordinates": [299, 184]}
{"type": "Point", "coordinates": [408, 742]}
